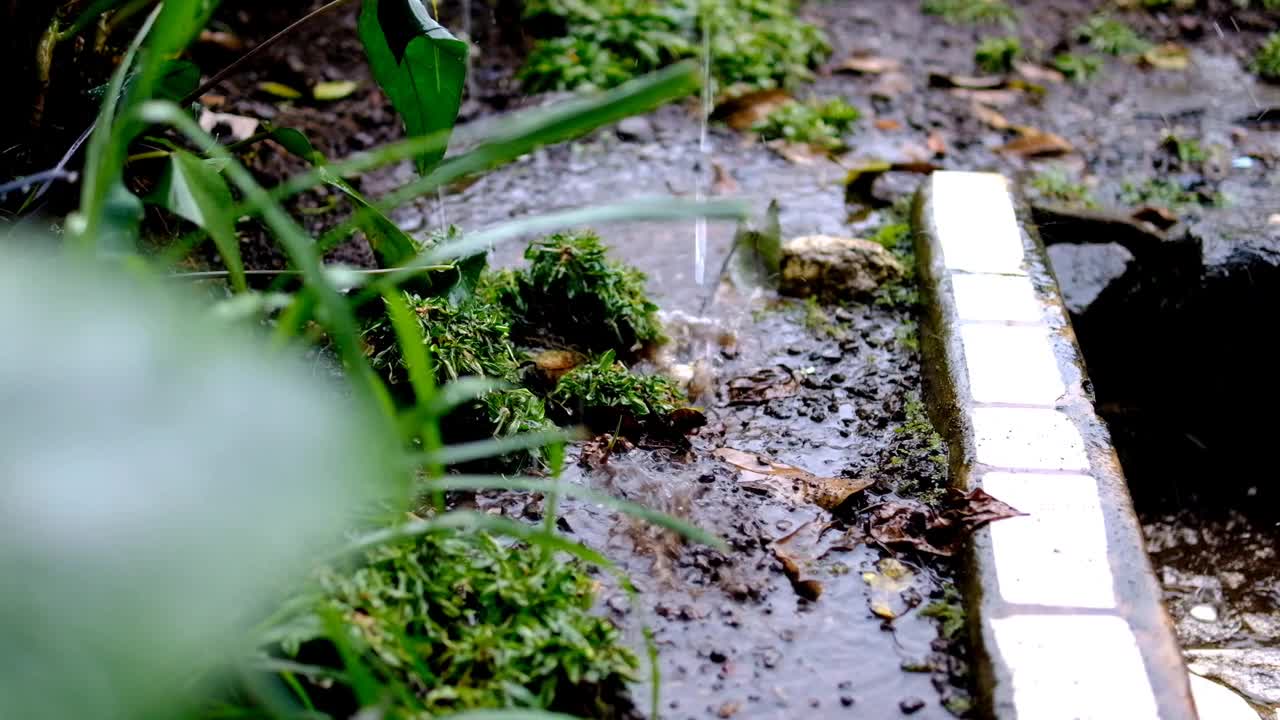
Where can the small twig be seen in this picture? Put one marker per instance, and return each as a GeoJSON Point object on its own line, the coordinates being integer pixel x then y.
{"type": "Point", "coordinates": [261, 48]}
{"type": "Point", "coordinates": [22, 184]}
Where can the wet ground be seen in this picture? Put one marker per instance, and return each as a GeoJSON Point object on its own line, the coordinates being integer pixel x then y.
{"type": "Point", "coordinates": [736, 639]}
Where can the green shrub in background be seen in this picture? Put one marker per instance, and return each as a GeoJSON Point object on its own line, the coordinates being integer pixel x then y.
{"type": "Point", "coordinates": [601, 43]}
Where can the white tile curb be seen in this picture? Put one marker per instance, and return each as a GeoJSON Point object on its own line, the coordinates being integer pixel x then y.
{"type": "Point", "coordinates": [1065, 612]}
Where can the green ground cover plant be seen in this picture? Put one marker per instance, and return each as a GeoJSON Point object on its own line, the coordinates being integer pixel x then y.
{"type": "Point", "coordinates": [749, 44]}
{"type": "Point", "coordinates": [819, 123]}
{"type": "Point", "coordinates": [378, 564]}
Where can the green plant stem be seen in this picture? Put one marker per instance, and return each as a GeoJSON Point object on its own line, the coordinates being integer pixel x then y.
{"type": "Point", "coordinates": [240, 62]}
{"type": "Point", "coordinates": [152, 155]}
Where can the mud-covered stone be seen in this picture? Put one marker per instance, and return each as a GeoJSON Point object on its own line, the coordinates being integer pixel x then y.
{"type": "Point", "coordinates": [836, 268]}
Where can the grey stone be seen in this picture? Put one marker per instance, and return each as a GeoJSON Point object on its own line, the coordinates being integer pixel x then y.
{"type": "Point", "coordinates": [636, 129]}
{"type": "Point", "coordinates": [1253, 673]}
{"type": "Point", "coordinates": [836, 268]}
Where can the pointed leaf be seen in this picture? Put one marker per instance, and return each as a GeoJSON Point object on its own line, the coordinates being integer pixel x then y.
{"type": "Point", "coordinates": [193, 189]}
{"type": "Point", "coordinates": [419, 64]}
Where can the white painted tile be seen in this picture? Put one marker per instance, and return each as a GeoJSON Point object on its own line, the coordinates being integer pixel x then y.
{"type": "Point", "coordinates": [976, 226]}
{"type": "Point", "coordinates": [1011, 364]}
{"type": "Point", "coordinates": [1057, 553]}
{"type": "Point", "coordinates": [1027, 439]}
{"type": "Point", "coordinates": [1074, 667]}
{"type": "Point", "coordinates": [996, 298]}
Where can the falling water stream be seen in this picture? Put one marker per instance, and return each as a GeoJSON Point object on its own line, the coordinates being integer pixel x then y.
{"type": "Point", "coordinates": [701, 166]}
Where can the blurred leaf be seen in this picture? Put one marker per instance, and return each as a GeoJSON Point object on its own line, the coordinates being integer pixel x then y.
{"type": "Point", "coordinates": [757, 251]}
{"type": "Point", "coordinates": [279, 90]}
{"type": "Point", "coordinates": [165, 478]}
{"type": "Point", "coordinates": [178, 79]}
{"type": "Point", "coordinates": [191, 188]}
{"type": "Point", "coordinates": [297, 143]}
{"type": "Point", "coordinates": [121, 219]}
{"type": "Point", "coordinates": [90, 15]}
{"type": "Point", "coordinates": [419, 64]}
{"type": "Point", "coordinates": [335, 90]}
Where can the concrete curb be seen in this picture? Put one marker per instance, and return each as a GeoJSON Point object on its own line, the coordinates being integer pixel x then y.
{"type": "Point", "coordinates": [1065, 612]}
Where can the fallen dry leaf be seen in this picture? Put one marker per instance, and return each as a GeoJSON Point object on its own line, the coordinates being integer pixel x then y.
{"type": "Point", "coordinates": [990, 117]}
{"type": "Point", "coordinates": [1167, 56]}
{"type": "Point", "coordinates": [860, 181]}
{"type": "Point", "coordinates": [994, 98]}
{"type": "Point", "coordinates": [868, 65]}
{"type": "Point", "coordinates": [887, 586]}
{"type": "Point", "coordinates": [790, 483]}
{"type": "Point", "coordinates": [1035, 143]}
{"type": "Point", "coordinates": [890, 85]}
{"type": "Point", "coordinates": [1161, 218]}
{"type": "Point", "coordinates": [798, 153]}
{"type": "Point", "coordinates": [238, 127]}
{"type": "Point", "coordinates": [743, 111]}
{"type": "Point", "coordinates": [762, 385]}
{"type": "Point", "coordinates": [937, 143]}
{"type": "Point", "coordinates": [554, 364]}
{"type": "Point", "coordinates": [799, 552]}
{"type": "Point", "coordinates": [1039, 73]}
{"type": "Point", "coordinates": [888, 124]}
{"type": "Point", "coordinates": [224, 40]}
{"type": "Point", "coordinates": [722, 182]}
{"type": "Point", "coordinates": [968, 82]}
{"type": "Point", "coordinates": [942, 531]}
{"type": "Point", "coordinates": [596, 452]}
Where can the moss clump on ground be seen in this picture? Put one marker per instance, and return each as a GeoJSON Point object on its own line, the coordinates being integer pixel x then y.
{"type": "Point", "coordinates": [1057, 186]}
{"type": "Point", "coordinates": [920, 456]}
{"type": "Point", "coordinates": [1108, 35]}
{"type": "Point", "coordinates": [1267, 62]}
{"type": "Point", "coordinates": [603, 43]}
{"type": "Point", "coordinates": [572, 293]}
{"type": "Point", "coordinates": [604, 395]}
{"type": "Point", "coordinates": [820, 123]}
{"type": "Point", "coordinates": [459, 622]}
{"type": "Point", "coordinates": [894, 234]}
{"type": "Point", "coordinates": [972, 11]}
{"type": "Point", "coordinates": [997, 55]}
{"type": "Point", "coordinates": [1077, 68]}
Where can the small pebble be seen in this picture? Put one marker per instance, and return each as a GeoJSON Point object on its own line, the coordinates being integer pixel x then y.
{"type": "Point", "coordinates": [911, 705]}
{"type": "Point", "coordinates": [1205, 613]}
{"type": "Point", "coordinates": [846, 701]}
{"type": "Point", "coordinates": [717, 657]}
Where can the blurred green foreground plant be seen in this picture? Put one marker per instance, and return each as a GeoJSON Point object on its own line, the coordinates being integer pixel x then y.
{"type": "Point", "coordinates": [192, 522]}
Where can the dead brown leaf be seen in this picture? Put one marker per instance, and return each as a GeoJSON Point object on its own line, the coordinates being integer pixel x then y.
{"type": "Point", "coordinates": [798, 153]}
{"type": "Point", "coordinates": [860, 182]}
{"type": "Point", "coordinates": [1167, 56]}
{"type": "Point", "coordinates": [887, 586]}
{"type": "Point", "coordinates": [799, 553]}
{"type": "Point", "coordinates": [888, 124]}
{"type": "Point", "coordinates": [596, 452]}
{"type": "Point", "coordinates": [994, 98]}
{"type": "Point", "coordinates": [555, 364]}
{"type": "Point", "coordinates": [1039, 73]}
{"type": "Point", "coordinates": [722, 182]}
{"type": "Point", "coordinates": [937, 143]}
{"type": "Point", "coordinates": [765, 384]}
{"type": "Point", "coordinates": [743, 111]}
{"type": "Point", "coordinates": [1161, 218]}
{"type": "Point", "coordinates": [890, 85]}
{"type": "Point", "coordinates": [990, 117]}
{"type": "Point", "coordinates": [790, 483]}
{"type": "Point", "coordinates": [968, 82]}
{"type": "Point", "coordinates": [1035, 143]}
{"type": "Point", "coordinates": [868, 65]}
{"type": "Point", "coordinates": [942, 531]}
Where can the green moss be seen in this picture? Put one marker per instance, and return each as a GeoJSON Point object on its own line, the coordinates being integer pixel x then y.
{"type": "Point", "coordinates": [920, 456]}
{"type": "Point", "coordinates": [602, 43]}
{"type": "Point", "coordinates": [603, 394]}
{"type": "Point", "coordinates": [1113, 37]}
{"type": "Point", "coordinates": [1267, 62]}
{"type": "Point", "coordinates": [1055, 185]}
{"type": "Point", "coordinates": [464, 622]}
{"type": "Point", "coordinates": [972, 11]}
{"type": "Point", "coordinates": [1163, 192]}
{"type": "Point", "coordinates": [895, 235]}
{"type": "Point", "coordinates": [821, 123]}
{"type": "Point", "coordinates": [1078, 68]}
{"type": "Point", "coordinates": [819, 322]}
{"type": "Point", "coordinates": [472, 338]}
{"type": "Point", "coordinates": [1187, 150]}
{"type": "Point", "coordinates": [573, 293]}
{"type": "Point", "coordinates": [997, 55]}
{"type": "Point", "coordinates": [908, 336]}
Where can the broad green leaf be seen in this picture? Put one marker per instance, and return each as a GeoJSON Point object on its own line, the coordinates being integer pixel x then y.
{"type": "Point", "coordinates": [419, 64]}
{"type": "Point", "coordinates": [390, 244]}
{"type": "Point", "coordinates": [193, 189]}
{"type": "Point", "coordinates": [121, 220]}
{"type": "Point", "coordinates": [166, 478]}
